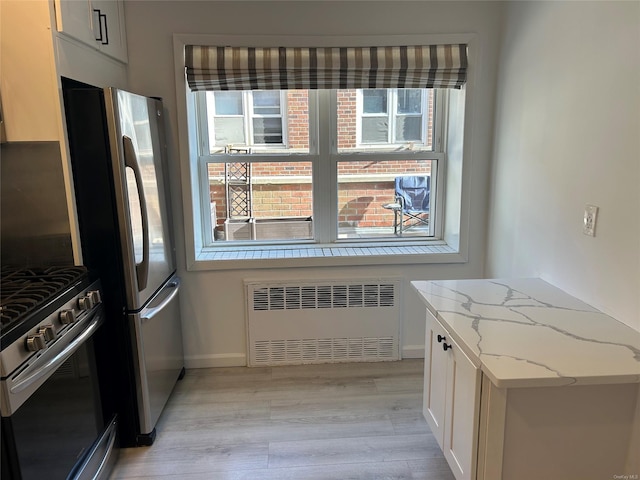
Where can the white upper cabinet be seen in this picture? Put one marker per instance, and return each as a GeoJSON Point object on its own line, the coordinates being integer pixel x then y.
{"type": "Point", "coordinates": [97, 23]}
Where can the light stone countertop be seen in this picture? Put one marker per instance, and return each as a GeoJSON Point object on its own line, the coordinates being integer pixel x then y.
{"type": "Point", "coordinates": [528, 333]}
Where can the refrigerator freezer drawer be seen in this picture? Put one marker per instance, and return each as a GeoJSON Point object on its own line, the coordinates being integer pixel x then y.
{"type": "Point", "coordinates": [157, 336]}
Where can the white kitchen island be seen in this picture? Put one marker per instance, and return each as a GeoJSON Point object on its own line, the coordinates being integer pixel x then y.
{"type": "Point", "coordinates": [523, 381]}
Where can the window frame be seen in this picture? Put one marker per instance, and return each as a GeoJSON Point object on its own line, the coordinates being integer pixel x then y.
{"type": "Point", "coordinates": [324, 157]}
{"type": "Point", "coordinates": [461, 142]}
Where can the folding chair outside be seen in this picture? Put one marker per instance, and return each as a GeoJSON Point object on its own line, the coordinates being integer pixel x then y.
{"type": "Point", "coordinates": [412, 199]}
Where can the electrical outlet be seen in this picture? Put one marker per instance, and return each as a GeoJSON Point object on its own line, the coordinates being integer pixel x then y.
{"type": "Point", "coordinates": [590, 216]}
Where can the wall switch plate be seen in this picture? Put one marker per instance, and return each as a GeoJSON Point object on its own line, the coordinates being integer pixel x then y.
{"type": "Point", "coordinates": [590, 216]}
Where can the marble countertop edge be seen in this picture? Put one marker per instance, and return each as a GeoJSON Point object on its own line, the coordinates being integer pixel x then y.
{"type": "Point", "coordinates": [542, 382]}
{"type": "Point", "coordinates": [453, 304]}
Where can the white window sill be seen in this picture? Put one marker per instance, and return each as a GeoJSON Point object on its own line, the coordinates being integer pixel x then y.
{"type": "Point", "coordinates": [230, 258]}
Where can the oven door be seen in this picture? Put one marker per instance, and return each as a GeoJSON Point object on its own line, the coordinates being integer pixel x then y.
{"type": "Point", "coordinates": [58, 431]}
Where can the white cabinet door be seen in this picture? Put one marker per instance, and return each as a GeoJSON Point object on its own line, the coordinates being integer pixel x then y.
{"type": "Point", "coordinates": [96, 23]}
{"type": "Point", "coordinates": [75, 19]}
{"type": "Point", "coordinates": [435, 379]}
{"type": "Point", "coordinates": [462, 413]}
{"type": "Point", "coordinates": [108, 22]}
{"type": "Point", "coordinates": [451, 399]}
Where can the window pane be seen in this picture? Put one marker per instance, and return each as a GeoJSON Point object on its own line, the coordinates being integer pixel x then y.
{"type": "Point", "coordinates": [362, 130]}
{"type": "Point", "coordinates": [266, 102]}
{"type": "Point", "coordinates": [228, 131]}
{"type": "Point", "coordinates": [284, 117]}
{"type": "Point", "coordinates": [277, 198]}
{"type": "Point", "coordinates": [375, 130]}
{"type": "Point", "coordinates": [367, 199]}
{"type": "Point", "coordinates": [409, 101]}
{"type": "Point", "coordinates": [267, 130]}
{"type": "Point", "coordinates": [374, 101]}
{"type": "Point", "coordinates": [228, 103]}
{"type": "Point", "coordinates": [408, 129]}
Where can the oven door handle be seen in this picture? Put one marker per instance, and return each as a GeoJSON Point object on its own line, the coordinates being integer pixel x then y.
{"type": "Point", "coordinates": [44, 365]}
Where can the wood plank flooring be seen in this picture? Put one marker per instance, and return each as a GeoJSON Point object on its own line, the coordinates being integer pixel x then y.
{"type": "Point", "coordinates": [360, 421]}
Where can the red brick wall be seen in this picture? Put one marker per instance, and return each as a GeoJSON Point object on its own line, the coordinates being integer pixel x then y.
{"type": "Point", "coordinates": [360, 204]}
{"type": "Point", "coordinates": [298, 118]}
{"type": "Point", "coordinates": [298, 115]}
{"type": "Point", "coordinates": [347, 116]}
{"type": "Point", "coordinates": [289, 200]}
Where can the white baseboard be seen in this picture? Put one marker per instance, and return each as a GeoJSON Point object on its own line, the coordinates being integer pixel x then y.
{"type": "Point", "coordinates": [413, 351]}
{"type": "Point", "coordinates": [216, 360]}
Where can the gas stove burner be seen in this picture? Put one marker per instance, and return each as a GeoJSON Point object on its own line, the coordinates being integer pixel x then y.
{"type": "Point", "coordinates": [25, 290]}
{"type": "Point", "coordinates": [63, 274]}
{"type": "Point", "coordinates": [16, 308]}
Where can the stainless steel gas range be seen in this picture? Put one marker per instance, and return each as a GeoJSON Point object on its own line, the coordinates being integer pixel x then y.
{"type": "Point", "coordinates": [53, 425]}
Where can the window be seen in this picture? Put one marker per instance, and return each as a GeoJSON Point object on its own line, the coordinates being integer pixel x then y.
{"type": "Point", "coordinates": [345, 135]}
{"type": "Point", "coordinates": [245, 118]}
{"type": "Point", "coordinates": [393, 116]}
{"type": "Point", "coordinates": [318, 166]}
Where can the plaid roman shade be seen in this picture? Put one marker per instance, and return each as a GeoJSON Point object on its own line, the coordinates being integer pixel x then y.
{"type": "Point", "coordinates": [247, 68]}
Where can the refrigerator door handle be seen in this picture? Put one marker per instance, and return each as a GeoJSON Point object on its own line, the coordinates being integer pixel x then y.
{"type": "Point", "coordinates": [149, 313]}
{"type": "Point", "coordinates": [130, 160]}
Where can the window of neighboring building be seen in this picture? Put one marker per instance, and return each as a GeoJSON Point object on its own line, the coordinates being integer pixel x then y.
{"type": "Point", "coordinates": [245, 118]}
{"type": "Point", "coordinates": [395, 116]}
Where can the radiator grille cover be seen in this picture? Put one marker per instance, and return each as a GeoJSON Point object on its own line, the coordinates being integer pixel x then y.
{"type": "Point", "coordinates": [322, 321]}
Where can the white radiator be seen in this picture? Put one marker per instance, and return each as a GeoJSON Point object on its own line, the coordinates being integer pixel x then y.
{"type": "Point", "coordinates": [323, 321]}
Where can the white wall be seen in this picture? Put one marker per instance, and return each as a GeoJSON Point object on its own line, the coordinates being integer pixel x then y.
{"type": "Point", "coordinates": [567, 134]}
{"type": "Point", "coordinates": [213, 302]}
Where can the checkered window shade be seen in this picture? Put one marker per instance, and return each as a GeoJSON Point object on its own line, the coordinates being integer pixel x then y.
{"type": "Point", "coordinates": [247, 68]}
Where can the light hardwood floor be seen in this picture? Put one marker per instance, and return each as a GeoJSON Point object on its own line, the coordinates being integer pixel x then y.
{"type": "Point", "coordinates": [313, 422]}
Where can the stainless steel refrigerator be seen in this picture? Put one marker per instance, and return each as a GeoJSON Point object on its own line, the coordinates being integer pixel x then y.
{"type": "Point", "coordinates": [118, 151]}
